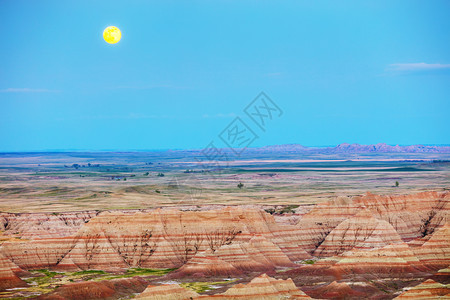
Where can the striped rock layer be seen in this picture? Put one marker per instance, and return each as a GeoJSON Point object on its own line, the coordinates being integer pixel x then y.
{"type": "Point", "coordinates": [44, 225]}
{"type": "Point", "coordinates": [428, 289]}
{"type": "Point", "coordinates": [257, 255]}
{"type": "Point", "coordinates": [156, 239]}
{"type": "Point", "coordinates": [371, 234]}
{"type": "Point", "coordinates": [262, 287]}
{"type": "Point", "coordinates": [396, 259]}
{"type": "Point", "coordinates": [167, 292]}
{"type": "Point", "coordinates": [8, 274]}
{"type": "Point", "coordinates": [336, 290]}
{"type": "Point", "coordinates": [105, 289]}
{"type": "Point", "coordinates": [362, 231]}
{"type": "Point", "coordinates": [412, 217]}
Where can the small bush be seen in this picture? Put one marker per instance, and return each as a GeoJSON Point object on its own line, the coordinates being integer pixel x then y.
{"type": "Point", "coordinates": [270, 211]}
{"type": "Point", "coordinates": [289, 209]}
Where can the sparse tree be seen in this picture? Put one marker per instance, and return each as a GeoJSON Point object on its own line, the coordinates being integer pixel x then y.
{"type": "Point", "coordinates": [221, 236]}
{"type": "Point", "coordinates": [396, 184]}
{"type": "Point", "coordinates": [186, 244]}
{"type": "Point", "coordinates": [240, 185]}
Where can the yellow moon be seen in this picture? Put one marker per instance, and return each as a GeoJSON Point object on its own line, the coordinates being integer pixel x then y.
{"type": "Point", "coordinates": [112, 34]}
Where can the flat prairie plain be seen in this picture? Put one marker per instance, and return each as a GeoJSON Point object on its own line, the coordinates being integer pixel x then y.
{"type": "Point", "coordinates": [78, 181]}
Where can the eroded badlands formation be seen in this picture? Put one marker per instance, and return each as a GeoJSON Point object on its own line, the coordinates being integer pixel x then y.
{"type": "Point", "coordinates": [363, 247]}
{"type": "Point", "coordinates": [262, 287]}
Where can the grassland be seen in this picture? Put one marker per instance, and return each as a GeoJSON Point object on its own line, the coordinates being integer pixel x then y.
{"type": "Point", "coordinates": [53, 182]}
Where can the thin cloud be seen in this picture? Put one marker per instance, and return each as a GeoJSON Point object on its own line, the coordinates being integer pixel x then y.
{"type": "Point", "coordinates": [417, 67]}
{"type": "Point", "coordinates": [26, 90]}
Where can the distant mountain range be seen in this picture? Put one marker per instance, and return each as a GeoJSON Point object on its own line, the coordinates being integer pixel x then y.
{"type": "Point", "coordinates": [357, 148]}
{"type": "Point", "coordinates": [287, 148]}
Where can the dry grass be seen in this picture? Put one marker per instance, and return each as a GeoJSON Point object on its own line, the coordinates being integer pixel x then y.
{"type": "Point", "coordinates": [49, 183]}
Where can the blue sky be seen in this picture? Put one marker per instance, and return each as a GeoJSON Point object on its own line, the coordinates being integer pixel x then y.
{"type": "Point", "coordinates": [342, 71]}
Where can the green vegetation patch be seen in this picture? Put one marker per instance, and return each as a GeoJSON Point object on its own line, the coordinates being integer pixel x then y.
{"type": "Point", "coordinates": [48, 273]}
{"type": "Point", "coordinates": [147, 272]}
{"type": "Point", "coordinates": [201, 287]}
{"type": "Point", "coordinates": [87, 272]}
{"type": "Point", "coordinates": [309, 261]}
{"type": "Point", "coordinates": [288, 209]}
{"type": "Point", "coordinates": [45, 281]}
{"type": "Point", "coordinates": [136, 272]}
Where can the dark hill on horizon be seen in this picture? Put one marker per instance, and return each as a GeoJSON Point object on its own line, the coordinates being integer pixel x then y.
{"type": "Point", "coordinates": [357, 148]}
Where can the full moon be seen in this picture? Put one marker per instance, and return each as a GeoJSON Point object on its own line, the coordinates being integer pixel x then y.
{"type": "Point", "coordinates": [112, 34]}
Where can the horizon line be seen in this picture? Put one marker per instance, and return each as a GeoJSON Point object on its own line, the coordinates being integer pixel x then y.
{"type": "Point", "coordinates": [200, 149]}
